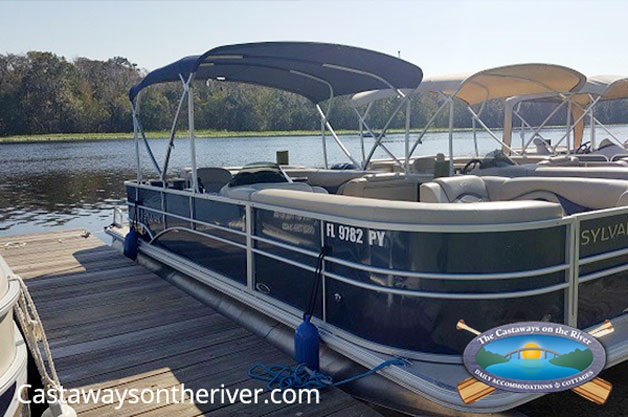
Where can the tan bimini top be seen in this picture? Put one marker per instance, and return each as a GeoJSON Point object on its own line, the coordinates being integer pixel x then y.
{"type": "Point", "coordinates": [607, 87]}
{"type": "Point", "coordinates": [494, 83]}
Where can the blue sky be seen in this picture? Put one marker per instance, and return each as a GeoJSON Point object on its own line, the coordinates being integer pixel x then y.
{"type": "Point", "coordinates": [441, 36]}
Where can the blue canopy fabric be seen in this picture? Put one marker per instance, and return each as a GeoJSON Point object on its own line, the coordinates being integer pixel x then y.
{"type": "Point", "coordinates": [184, 66]}
{"type": "Point", "coordinates": [316, 71]}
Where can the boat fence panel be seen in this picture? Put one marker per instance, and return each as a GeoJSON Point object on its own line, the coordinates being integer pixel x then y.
{"type": "Point", "coordinates": [603, 273]}
{"type": "Point", "coordinates": [400, 289]}
{"type": "Point", "coordinates": [281, 271]}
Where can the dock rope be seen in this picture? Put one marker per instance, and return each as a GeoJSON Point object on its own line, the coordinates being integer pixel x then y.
{"type": "Point", "coordinates": [11, 245]}
{"type": "Point", "coordinates": [37, 343]}
{"type": "Point", "coordinates": [318, 277]}
{"type": "Point", "coordinates": [287, 377]}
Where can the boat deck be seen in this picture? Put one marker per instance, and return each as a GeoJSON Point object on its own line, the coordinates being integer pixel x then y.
{"type": "Point", "coordinates": [113, 324]}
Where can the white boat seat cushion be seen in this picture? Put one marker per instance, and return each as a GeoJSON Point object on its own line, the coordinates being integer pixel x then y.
{"type": "Point", "coordinates": [587, 193]}
{"type": "Point", "coordinates": [461, 189]}
{"type": "Point", "coordinates": [574, 194]}
{"type": "Point", "coordinates": [385, 186]}
{"type": "Point", "coordinates": [408, 212]}
{"type": "Point", "coordinates": [243, 192]}
{"type": "Point", "coordinates": [330, 179]}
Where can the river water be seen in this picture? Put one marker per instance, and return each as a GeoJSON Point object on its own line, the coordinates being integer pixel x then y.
{"type": "Point", "coordinates": [76, 184]}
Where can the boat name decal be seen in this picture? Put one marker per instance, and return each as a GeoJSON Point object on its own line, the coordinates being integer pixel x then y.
{"type": "Point", "coordinates": [603, 234]}
{"type": "Point", "coordinates": [295, 224]}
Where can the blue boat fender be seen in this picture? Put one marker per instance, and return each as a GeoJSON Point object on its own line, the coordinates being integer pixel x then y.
{"type": "Point", "coordinates": [306, 344]}
{"type": "Point", "coordinates": [131, 243]}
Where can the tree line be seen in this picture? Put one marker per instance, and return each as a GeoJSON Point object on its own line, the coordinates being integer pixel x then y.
{"type": "Point", "coordinates": [42, 93]}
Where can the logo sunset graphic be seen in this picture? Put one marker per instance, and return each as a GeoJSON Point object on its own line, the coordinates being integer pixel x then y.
{"type": "Point", "coordinates": [543, 358]}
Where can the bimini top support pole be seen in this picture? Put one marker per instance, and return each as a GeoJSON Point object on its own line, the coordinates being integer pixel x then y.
{"type": "Point", "coordinates": [335, 136]}
{"type": "Point", "coordinates": [324, 140]}
{"type": "Point", "coordinates": [364, 116]}
{"type": "Point", "coordinates": [136, 139]}
{"type": "Point", "coordinates": [592, 127]}
{"type": "Point", "coordinates": [407, 138]}
{"type": "Point", "coordinates": [192, 134]}
{"type": "Point", "coordinates": [325, 124]}
{"type": "Point", "coordinates": [380, 136]}
{"type": "Point", "coordinates": [138, 125]}
{"type": "Point", "coordinates": [419, 139]}
{"type": "Point", "coordinates": [490, 132]}
{"type": "Point", "coordinates": [451, 138]}
{"type": "Point", "coordinates": [174, 126]}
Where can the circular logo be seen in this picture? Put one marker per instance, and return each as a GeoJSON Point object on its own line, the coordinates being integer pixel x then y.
{"type": "Point", "coordinates": [534, 357]}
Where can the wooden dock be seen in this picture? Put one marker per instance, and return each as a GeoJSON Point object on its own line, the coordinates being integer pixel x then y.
{"type": "Point", "coordinates": [113, 324]}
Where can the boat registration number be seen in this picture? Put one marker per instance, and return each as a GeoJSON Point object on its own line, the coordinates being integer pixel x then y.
{"type": "Point", "coordinates": [355, 234]}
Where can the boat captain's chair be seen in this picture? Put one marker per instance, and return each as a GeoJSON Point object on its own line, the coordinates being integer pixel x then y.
{"type": "Point", "coordinates": [424, 165]}
{"type": "Point", "coordinates": [255, 177]}
{"type": "Point", "coordinates": [542, 146]}
{"type": "Point", "coordinates": [213, 179]}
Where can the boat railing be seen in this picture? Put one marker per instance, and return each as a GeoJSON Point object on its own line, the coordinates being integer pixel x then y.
{"type": "Point", "coordinates": [266, 238]}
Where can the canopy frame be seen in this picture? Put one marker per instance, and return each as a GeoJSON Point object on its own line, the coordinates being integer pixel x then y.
{"type": "Point", "coordinates": [313, 70]}
{"type": "Point", "coordinates": [378, 137]}
{"type": "Point", "coordinates": [581, 107]}
{"type": "Point", "coordinates": [480, 87]}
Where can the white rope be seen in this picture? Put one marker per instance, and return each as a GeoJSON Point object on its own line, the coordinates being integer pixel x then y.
{"type": "Point", "coordinates": [35, 336]}
{"type": "Point", "coordinates": [10, 245]}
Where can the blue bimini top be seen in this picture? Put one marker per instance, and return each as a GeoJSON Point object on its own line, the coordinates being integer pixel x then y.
{"type": "Point", "coordinates": [317, 71]}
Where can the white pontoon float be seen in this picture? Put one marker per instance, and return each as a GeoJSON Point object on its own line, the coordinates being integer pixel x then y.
{"type": "Point", "coordinates": [396, 273]}
{"type": "Point", "coordinates": [13, 352]}
{"type": "Point", "coordinates": [17, 344]}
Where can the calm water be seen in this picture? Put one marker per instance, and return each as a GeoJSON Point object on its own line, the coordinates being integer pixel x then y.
{"type": "Point", "coordinates": [531, 370]}
{"type": "Point", "coordinates": [47, 186]}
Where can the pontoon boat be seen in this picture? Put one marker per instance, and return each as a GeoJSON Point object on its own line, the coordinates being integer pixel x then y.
{"type": "Point", "coordinates": [402, 261]}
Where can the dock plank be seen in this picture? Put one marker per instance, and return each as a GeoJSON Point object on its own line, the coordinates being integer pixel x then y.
{"type": "Point", "coordinates": [112, 324]}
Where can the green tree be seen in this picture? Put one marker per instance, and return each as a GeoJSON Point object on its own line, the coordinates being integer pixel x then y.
{"type": "Point", "coordinates": [48, 95]}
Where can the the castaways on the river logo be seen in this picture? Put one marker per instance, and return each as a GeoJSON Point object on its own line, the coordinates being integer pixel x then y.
{"type": "Point", "coordinates": [535, 357]}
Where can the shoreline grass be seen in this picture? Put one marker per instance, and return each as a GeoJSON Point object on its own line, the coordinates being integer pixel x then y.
{"type": "Point", "coordinates": [59, 137]}
{"type": "Point", "coordinates": [201, 134]}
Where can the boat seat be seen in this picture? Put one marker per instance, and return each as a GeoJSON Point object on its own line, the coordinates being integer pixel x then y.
{"type": "Point", "coordinates": [606, 171]}
{"type": "Point", "coordinates": [243, 192]}
{"type": "Point", "coordinates": [386, 186]}
{"type": "Point", "coordinates": [213, 179]}
{"type": "Point", "coordinates": [542, 146]}
{"type": "Point", "coordinates": [408, 212]}
{"type": "Point", "coordinates": [330, 179]}
{"type": "Point", "coordinates": [574, 194]}
{"type": "Point", "coordinates": [562, 160]}
{"type": "Point", "coordinates": [383, 165]}
{"type": "Point", "coordinates": [461, 189]}
{"type": "Point", "coordinates": [424, 165]}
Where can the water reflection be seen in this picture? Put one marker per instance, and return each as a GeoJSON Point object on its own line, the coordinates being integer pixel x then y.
{"type": "Point", "coordinates": [76, 184]}
{"type": "Point", "coordinates": [50, 199]}
{"type": "Point", "coordinates": [54, 185]}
